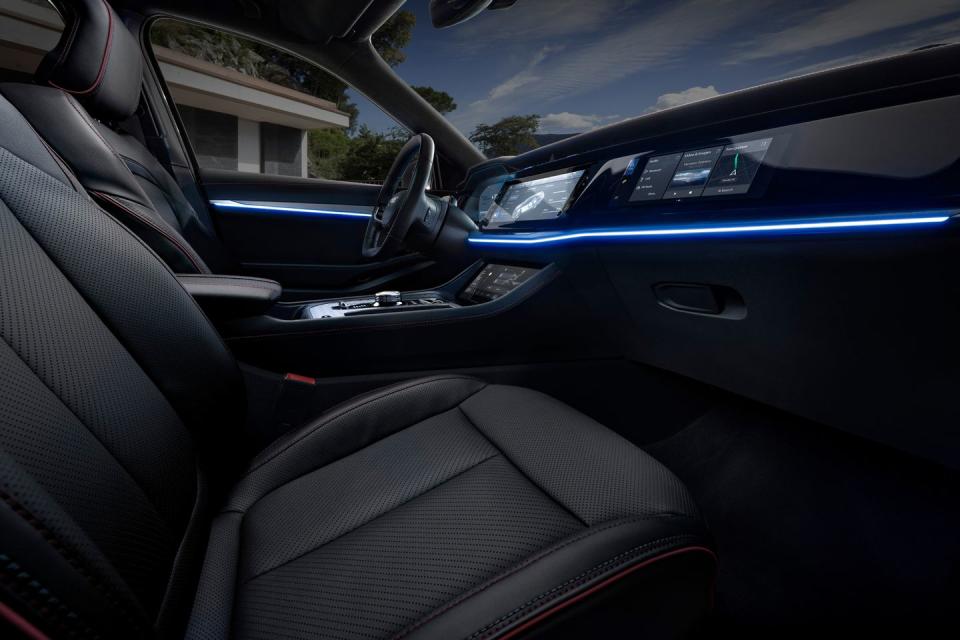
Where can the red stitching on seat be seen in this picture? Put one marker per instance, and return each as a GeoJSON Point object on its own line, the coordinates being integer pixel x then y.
{"type": "Point", "coordinates": [586, 533]}
{"type": "Point", "coordinates": [70, 556]}
{"type": "Point", "coordinates": [21, 624]}
{"type": "Point", "coordinates": [103, 61]}
{"type": "Point", "coordinates": [601, 585]}
{"type": "Point", "coordinates": [187, 253]}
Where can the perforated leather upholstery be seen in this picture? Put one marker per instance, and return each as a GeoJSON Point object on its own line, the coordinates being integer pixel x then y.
{"type": "Point", "coordinates": [431, 506]}
{"type": "Point", "coordinates": [438, 508]}
{"type": "Point", "coordinates": [86, 85]}
{"type": "Point", "coordinates": [103, 357]}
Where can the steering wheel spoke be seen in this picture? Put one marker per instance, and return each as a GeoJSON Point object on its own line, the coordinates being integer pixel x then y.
{"type": "Point", "coordinates": [401, 207]}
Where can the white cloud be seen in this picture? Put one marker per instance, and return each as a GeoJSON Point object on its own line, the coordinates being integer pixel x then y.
{"type": "Point", "coordinates": [567, 122]}
{"type": "Point", "coordinates": [948, 31]}
{"type": "Point", "coordinates": [525, 77]}
{"type": "Point", "coordinates": [510, 85]}
{"type": "Point", "coordinates": [847, 21]}
{"type": "Point", "coordinates": [693, 94]}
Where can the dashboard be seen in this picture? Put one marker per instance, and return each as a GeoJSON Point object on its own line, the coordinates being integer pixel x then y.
{"type": "Point", "coordinates": [852, 330]}
{"type": "Point", "coordinates": [878, 154]}
{"type": "Point", "coordinates": [719, 170]}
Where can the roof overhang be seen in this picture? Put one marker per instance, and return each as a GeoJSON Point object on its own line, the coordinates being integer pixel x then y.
{"type": "Point", "coordinates": [199, 84]}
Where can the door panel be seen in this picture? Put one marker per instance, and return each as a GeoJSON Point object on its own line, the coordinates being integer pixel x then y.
{"type": "Point", "coordinates": [304, 233]}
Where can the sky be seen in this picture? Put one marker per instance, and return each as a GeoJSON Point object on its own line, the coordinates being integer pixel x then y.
{"type": "Point", "coordinates": [581, 64]}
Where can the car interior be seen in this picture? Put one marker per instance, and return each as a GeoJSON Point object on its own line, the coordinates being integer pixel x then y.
{"type": "Point", "coordinates": [658, 379]}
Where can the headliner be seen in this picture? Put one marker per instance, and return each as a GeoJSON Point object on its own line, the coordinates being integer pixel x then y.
{"type": "Point", "coordinates": [314, 22]}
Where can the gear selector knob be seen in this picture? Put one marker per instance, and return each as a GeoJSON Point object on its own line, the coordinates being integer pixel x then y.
{"type": "Point", "coordinates": [386, 298]}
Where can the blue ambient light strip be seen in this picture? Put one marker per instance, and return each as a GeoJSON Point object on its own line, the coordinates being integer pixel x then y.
{"type": "Point", "coordinates": [772, 227]}
{"type": "Point", "coordinates": [231, 204]}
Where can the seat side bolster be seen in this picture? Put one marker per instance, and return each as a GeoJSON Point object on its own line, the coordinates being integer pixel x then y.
{"type": "Point", "coordinates": [214, 603]}
{"type": "Point", "coordinates": [68, 128]}
{"type": "Point", "coordinates": [571, 570]}
{"type": "Point", "coordinates": [594, 473]}
{"type": "Point", "coordinates": [21, 140]}
{"type": "Point", "coordinates": [166, 241]}
{"type": "Point", "coordinates": [48, 565]}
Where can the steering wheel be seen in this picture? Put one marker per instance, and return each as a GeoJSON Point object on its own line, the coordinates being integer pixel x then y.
{"type": "Point", "coordinates": [404, 213]}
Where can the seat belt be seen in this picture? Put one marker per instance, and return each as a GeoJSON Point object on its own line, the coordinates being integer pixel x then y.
{"type": "Point", "coordinates": [152, 137]}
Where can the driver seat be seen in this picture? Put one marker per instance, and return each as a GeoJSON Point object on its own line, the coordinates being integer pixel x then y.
{"type": "Point", "coordinates": [85, 86]}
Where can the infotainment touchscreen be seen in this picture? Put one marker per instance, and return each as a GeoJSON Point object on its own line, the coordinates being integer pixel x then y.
{"type": "Point", "coordinates": [536, 198]}
{"type": "Point", "coordinates": [495, 281]}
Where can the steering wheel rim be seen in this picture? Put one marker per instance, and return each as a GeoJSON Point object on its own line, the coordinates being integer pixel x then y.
{"type": "Point", "coordinates": [397, 209]}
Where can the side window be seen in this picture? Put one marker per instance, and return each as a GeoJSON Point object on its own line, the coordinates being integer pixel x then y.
{"type": "Point", "coordinates": [247, 106]}
{"type": "Point", "coordinates": [28, 30]}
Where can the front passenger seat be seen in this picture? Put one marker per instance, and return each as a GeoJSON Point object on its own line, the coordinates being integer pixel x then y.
{"type": "Point", "coordinates": [86, 85]}
{"type": "Point", "coordinates": [440, 508]}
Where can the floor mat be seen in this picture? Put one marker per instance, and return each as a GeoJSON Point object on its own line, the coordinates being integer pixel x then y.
{"type": "Point", "coordinates": [817, 529]}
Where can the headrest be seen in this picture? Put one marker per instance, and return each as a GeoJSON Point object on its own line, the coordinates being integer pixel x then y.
{"type": "Point", "coordinates": [97, 60]}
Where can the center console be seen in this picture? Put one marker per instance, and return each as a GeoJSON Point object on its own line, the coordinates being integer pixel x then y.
{"type": "Point", "coordinates": [494, 281]}
{"type": "Point", "coordinates": [531, 309]}
{"type": "Point", "coordinates": [486, 283]}
{"type": "Point", "coordinates": [381, 302]}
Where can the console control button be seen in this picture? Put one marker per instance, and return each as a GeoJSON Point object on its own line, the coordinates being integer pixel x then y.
{"type": "Point", "coordinates": [386, 298]}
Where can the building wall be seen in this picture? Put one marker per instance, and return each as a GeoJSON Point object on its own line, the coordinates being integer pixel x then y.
{"type": "Point", "coordinates": [233, 121]}
{"type": "Point", "coordinates": [27, 31]}
{"type": "Point", "coordinates": [224, 141]}
{"type": "Point", "coordinates": [248, 152]}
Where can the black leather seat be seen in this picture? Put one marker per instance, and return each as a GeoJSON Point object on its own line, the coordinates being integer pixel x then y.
{"type": "Point", "coordinates": [447, 508]}
{"type": "Point", "coordinates": [439, 508]}
{"type": "Point", "coordinates": [85, 86]}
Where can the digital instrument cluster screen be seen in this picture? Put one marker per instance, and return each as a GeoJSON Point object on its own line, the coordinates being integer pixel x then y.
{"type": "Point", "coordinates": [537, 198]}
{"type": "Point", "coordinates": [713, 171]}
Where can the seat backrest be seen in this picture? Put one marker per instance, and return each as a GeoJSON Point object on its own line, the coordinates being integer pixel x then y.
{"type": "Point", "coordinates": [89, 82]}
{"type": "Point", "coordinates": [112, 382]}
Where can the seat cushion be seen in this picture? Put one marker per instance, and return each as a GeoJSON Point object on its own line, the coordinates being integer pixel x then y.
{"type": "Point", "coordinates": [442, 508]}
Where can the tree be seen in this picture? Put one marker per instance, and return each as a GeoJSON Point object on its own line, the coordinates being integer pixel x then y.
{"type": "Point", "coordinates": [439, 100]}
{"type": "Point", "coordinates": [276, 66]}
{"type": "Point", "coordinates": [215, 47]}
{"type": "Point", "coordinates": [326, 150]}
{"type": "Point", "coordinates": [508, 137]}
{"type": "Point", "coordinates": [371, 154]}
{"type": "Point", "coordinates": [364, 156]}
{"type": "Point", "coordinates": [390, 39]}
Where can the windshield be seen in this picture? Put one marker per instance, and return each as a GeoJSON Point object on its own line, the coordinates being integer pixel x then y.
{"type": "Point", "coordinates": [545, 69]}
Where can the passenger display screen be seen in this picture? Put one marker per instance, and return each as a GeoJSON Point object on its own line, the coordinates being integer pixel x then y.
{"type": "Point", "coordinates": [737, 167]}
{"type": "Point", "coordinates": [538, 198]}
{"type": "Point", "coordinates": [712, 171]}
{"type": "Point", "coordinates": [655, 177]}
{"type": "Point", "coordinates": [692, 173]}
